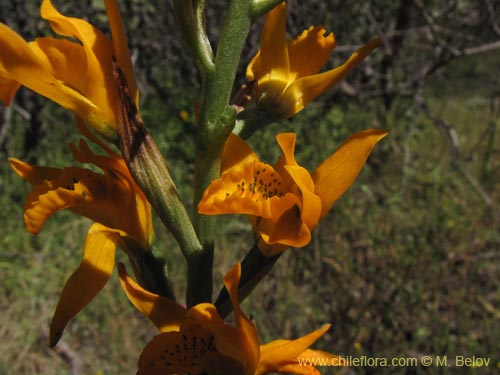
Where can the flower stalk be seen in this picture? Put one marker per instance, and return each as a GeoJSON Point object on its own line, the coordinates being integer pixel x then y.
{"type": "Point", "coordinates": [216, 117]}
{"type": "Point", "coordinates": [260, 7]}
{"type": "Point", "coordinates": [151, 271]}
{"type": "Point", "coordinates": [254, 267]}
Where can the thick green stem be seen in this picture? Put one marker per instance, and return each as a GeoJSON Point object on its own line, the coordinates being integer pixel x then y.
{"type": "Point", "coordinates": [217, 117]}
{"type": "Point", "coordinates": [216, 122]}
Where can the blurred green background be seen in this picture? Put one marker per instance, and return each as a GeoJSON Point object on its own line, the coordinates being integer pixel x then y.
{"type": "Point", "coordinates": [407, 264]}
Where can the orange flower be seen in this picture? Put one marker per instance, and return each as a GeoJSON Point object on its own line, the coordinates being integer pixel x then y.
{"type": "Point", "coordinates": [76, 75]}
{"type": "Point", "coordinates": [197, 341]}
{"type": "Point", "coordinates": [285, 201]}
{"type": "Point", "coordinates": [285, 73]}
{"type": "Point", "coordinates": [113, 200]}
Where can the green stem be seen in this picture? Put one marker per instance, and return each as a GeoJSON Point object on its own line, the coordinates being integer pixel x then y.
{"type": "Point", "coordinates": [251, 120]}
{"type": "Point", "coordinates": [150, 271]}
{"type": "Point", "coordinates": [217, 117]}
{"type": "Point", "coordinates": [219, 84]}
{"type": "Point", "coordinates": [260, 7]}
{"type": "Point", "coordinates": [216, 122]}
{"type": "Point", "coordinates": [193, 29]}
{"type": "Point", "coordinates": [254, 268]}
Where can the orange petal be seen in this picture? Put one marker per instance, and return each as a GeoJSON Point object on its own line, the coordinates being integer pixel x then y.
{"type": "Point", "coordinates": [271, 62]}
{"type": "Point", "coordinates": [8, 87]}
{"type": "Point", "coordinates": [62, 59]}
{"type": "Point", "coordinates": [241, 344]}
{"type": "Point", "coordinates": [68, 190]}
{"type": "Point", "coordinates": [310, 208]}
{"type": "Point", "coordinates": [288, 230]}
{"type": "Point", "coordinates": [88, 279]}
{"type": "Point", "coordinates": [33, 174]}
{"type": "Point", "coordinates": [85, 192]}
{"type": "Point", "coordinates": [20, 63]}
{"type": "Point", "coordinates": [236, 152]}
{"type": "Point", "coordinates": [205, 315]}
{"type": "Point", "coordinates": [280, 353]}
{"type": "Point", "coordinates": [338, 172]}
{"type": "Point", "coordinates": [163, 312]}
{"type": "Point", "coordinates": [310, 51]}
{"type": "Point", "coordinates": [253, 188]}
{"type": "Point", "coordinates": [286, 141]}
{"type": "Point", "coordinates": [100, 87]}
{"type": "Point", "coordinates": [231, 282]}
{"type": "Point", "coordinates": [304, 90]}
{"type": "Point", "coordinates": [113, 199]}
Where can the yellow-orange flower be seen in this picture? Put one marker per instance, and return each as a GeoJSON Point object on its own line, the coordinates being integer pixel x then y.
{"type": "Point", "coordinates": [197, 341]}
{"type": "Point", "coordinates": [121, 213]}
{"type": "Point", "coordinates": [76, 75]}
{"type": "Point", "coordinates": [285, 73]}
{"type": "Point", "coordinates": [285, 201]}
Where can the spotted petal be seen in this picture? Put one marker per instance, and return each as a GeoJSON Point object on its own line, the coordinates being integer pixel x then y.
{"type": "Point", "coordinates": [206, 343]}
{"type": "Point", "coordinates": [191, 350]}
{"type": "Point", "coordinates": [253, 188]}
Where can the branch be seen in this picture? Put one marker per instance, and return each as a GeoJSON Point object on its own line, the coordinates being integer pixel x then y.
{"type": "Point", "coordinates": [456, 149]}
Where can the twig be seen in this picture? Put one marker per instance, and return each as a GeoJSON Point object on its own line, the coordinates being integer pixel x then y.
{"type": "Point", "coordinates": [456, 149]}
{"type": "Point", "coordinates": [482, 48]}
{"type": "Point", "coordinates": [71, 357]}
{"type": "Point", "coordinates": [6, 114]}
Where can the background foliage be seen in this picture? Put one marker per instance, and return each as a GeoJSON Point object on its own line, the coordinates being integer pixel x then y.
{"type": "Point", "coordinates": [406, 265]}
